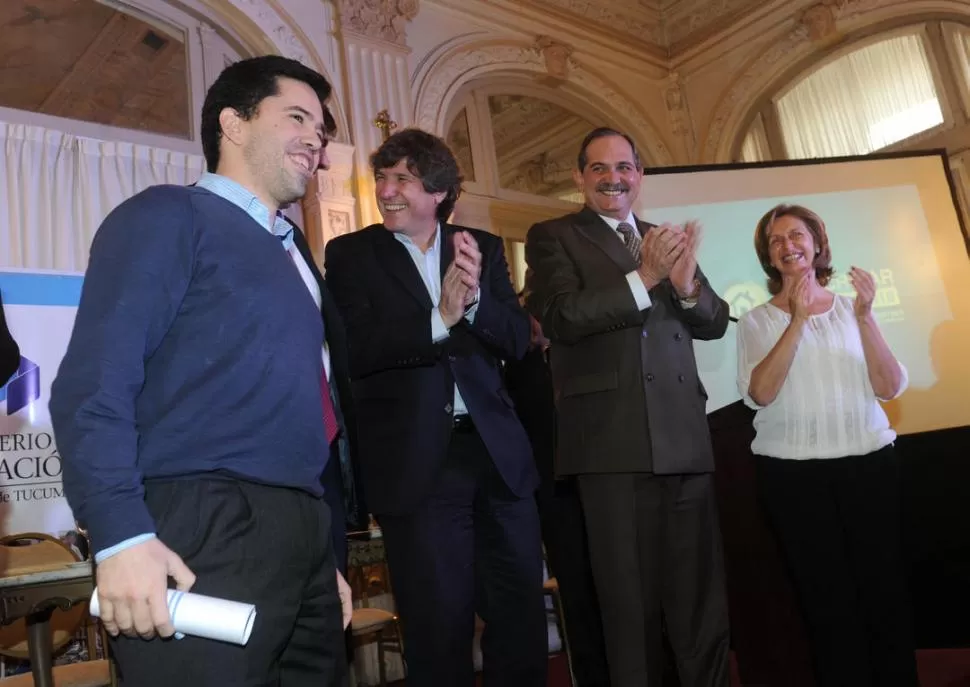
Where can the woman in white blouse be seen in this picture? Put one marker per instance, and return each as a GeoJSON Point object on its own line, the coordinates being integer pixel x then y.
{"type": "Point", "coordinates": [815, 366]}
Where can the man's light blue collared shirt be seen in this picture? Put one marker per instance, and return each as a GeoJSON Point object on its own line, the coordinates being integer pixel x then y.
{"type": "Point", "coordinates": [428, 264]}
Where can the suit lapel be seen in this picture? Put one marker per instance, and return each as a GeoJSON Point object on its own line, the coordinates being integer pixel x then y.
{"type": "Point", "coordinates": [592, 226]}
{"type": "Point", "coordinates": [447, 248]}
{"type": "Point", "coordinates": [398, 263]}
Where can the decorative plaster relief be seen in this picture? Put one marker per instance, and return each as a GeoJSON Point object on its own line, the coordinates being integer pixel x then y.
{"type": "Point", "coordinates": [690, 16]}
{"type": "Point", "coordinates": [382, 19]}
{"type": "Point", "coordinates": [556, 55]}
{"type": "Point", "coordinates": [616, 16]}
{"type": "Point", "coordinates": [339, 222]}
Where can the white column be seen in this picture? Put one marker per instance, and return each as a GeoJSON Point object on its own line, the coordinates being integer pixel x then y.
{"type": "Point", "coordinates": [376, 61]}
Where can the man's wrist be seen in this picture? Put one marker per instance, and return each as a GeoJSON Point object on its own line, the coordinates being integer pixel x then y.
{"type": "Point", "coordinates": [693, 292]}
{"type": "Point", "coordinates": [649, 279]}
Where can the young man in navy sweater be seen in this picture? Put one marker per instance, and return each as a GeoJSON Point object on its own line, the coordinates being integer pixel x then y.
{"type": "Point", "coordinates": [190, 410]}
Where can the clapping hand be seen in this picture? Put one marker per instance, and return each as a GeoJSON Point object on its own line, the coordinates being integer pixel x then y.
{"type": "Point", "coordinates": [468, 259]}
{"type": "Point", "coordinates": [800, 298]}
{"type": "Point", "coordinates": [865, 289]}
{"type": "Point", "coordinates": [684, 269]}
{"type": "Point", "coordinates": [661, 248]}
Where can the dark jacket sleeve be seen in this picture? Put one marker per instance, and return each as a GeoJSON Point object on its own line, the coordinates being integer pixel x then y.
{"type": "Point", "coordinates": [708, 318]}
{"type": "Point", "coordinates": [9, 351]}
{"type": "Point", "coordinates": [138, 272]}
{"type": "Point", "coordinates": [500, 322]}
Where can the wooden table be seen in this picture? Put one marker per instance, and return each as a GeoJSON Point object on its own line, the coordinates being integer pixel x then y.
{"type": "Point", "coordinates": [34, 596]}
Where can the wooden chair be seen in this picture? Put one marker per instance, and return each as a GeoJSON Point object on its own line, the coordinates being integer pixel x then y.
{"type": "Point", "coordinates": [34, 552]}
{"type": "Point", "coordinates": [367, 571]}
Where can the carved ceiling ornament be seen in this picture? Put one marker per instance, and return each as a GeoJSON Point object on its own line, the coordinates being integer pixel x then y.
{"type": "Point", "coordinates": [461, 66]}
{"type": "Point", "coordinates": [556, 55]}
{"type": "Point", "coordinates": [820, 21]}
{"type": "Point", "coordinates": [779, 56]}
{"type": "Point", "coordinates": [382, 19]}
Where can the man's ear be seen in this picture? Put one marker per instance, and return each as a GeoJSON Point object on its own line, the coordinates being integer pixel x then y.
{"type": "Point", "coordinates": [231, 125]}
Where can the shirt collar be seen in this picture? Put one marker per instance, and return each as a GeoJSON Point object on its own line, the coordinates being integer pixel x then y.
{"type": "Point", "coordinates": [406, 240]}
{"type": "Point", "coordinates": [614, 223]}
{"type": "Point", "coordinates": [246, 200]}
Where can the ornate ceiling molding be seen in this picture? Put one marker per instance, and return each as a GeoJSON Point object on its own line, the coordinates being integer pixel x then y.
{"type": "Point", "coordinates": [453, 70]}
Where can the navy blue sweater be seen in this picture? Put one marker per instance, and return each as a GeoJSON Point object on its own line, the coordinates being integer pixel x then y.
{"type": "Point", "coordinates": [196, 350]}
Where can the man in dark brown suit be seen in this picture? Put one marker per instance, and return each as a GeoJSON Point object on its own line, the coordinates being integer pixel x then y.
{"type": "Point", "coordinates": [622, 301]}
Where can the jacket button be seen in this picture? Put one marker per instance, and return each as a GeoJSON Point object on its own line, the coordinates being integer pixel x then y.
{"type": "Point", "coordinates": [680, 378]}
{"type": "Point", "coordinates": [451, 357]}
{"type": "Point", "coordinates": [678, 336]}
{"type": "Point", "coordinates": [448, 408]}
{"type": "Point", "coordinates": [649, 377]}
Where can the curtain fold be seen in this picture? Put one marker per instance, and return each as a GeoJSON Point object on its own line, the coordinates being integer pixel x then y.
{"type": "Point", "coordinates": [861, 102]}
{"type": "Point", "coordinates": [58, 187]}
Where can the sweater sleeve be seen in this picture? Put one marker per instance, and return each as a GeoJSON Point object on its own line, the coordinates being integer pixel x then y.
{"type": "Point", "coordinates": [138, 273]}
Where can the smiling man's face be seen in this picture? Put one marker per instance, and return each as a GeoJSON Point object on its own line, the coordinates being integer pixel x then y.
{"type": "Point", "coordinates": [611, 179]}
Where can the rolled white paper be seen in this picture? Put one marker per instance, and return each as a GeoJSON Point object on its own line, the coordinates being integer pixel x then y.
{"type": "Point", "coordinates": [204, 616]}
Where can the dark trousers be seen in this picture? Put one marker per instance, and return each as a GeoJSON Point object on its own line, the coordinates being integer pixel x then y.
{"type": "Point", "coordinates": [472, 546]}
{"type": "Point", "coordinates": [838, 523]}
{"type": "Point", "coordinates": [567, 553]}
{"type": "Point", "coordinates": [658, 565]}
{"type": "Point", "coordinates": [246, 542]}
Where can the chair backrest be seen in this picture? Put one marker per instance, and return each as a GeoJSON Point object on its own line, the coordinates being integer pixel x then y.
{"type": "Point", "coordinates": [31, 552]}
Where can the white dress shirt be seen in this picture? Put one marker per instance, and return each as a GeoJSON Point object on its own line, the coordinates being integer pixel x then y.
{"type": "Point", "coordinates": [826, 407]}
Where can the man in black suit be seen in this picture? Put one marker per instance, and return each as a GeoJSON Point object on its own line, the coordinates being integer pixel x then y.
{"type": "Point", "coordinates": [430, 315]}
{"type": "Point", "coordinates": [9, 351]}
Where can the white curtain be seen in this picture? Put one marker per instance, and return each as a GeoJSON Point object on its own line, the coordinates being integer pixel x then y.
{"type": "Point", "coordinates": [861, 102]}
{"type": "Point", "coordinates": [56, 188]}
{"type": "Point", "coordinates": [755, 147]}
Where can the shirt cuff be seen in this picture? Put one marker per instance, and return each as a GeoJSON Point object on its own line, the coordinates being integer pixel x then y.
{"type": "Point", "coordinates": [639, 291]}
{"type": "Point", "coordinates": [121, 546]}
{"type": "Point", "coordinates": [439, 332]}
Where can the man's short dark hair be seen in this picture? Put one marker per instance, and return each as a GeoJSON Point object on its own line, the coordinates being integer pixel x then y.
{"type": "Point", "coordinates": [429, 158]}
{"type": "Point", "coordinates": [602, 132]}
{"type": "Point", "coordinates": [244, 85]}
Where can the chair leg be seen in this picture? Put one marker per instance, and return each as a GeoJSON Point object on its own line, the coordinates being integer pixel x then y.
{"type": "Point", "coordinates": [561, 626]}
{"type": "Point", "coordinates": [381, 667]}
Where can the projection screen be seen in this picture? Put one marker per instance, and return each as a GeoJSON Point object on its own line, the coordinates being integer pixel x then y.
{"type": "Point", "coordinates": [894, 215]}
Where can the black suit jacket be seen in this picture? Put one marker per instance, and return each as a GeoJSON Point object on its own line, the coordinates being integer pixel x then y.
{"type": "Point", "coordinates": [9, 351]}
{"type": "Point", "coordinates": [354, 506]}
{"type": "Point", "coordinates": [404, 382]}
{"type": "Point", "coordinates": [628, 394]}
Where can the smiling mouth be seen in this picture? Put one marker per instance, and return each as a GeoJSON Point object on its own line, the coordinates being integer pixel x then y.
{"type": "Point", "coordinates": [612, 192]}
{"type": "Point", "coordinates": [304, 162]}
{"type": "Point", "coordinates": [791, 257]}
{"type": "Point", "coordinates": [394, 207]}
